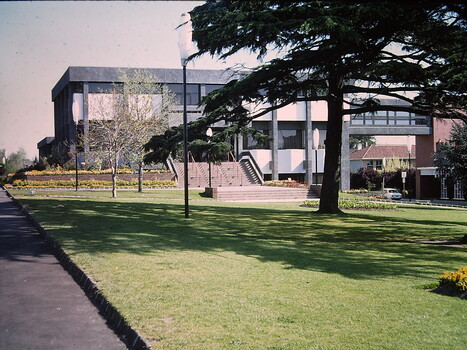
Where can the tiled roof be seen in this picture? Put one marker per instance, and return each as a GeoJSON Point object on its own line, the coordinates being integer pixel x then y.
{"type": "Point", "coordinates": [383, 151]}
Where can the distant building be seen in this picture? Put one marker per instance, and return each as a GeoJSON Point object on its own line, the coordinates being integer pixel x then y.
{"type": "Point", "coordinates": [378, 156]}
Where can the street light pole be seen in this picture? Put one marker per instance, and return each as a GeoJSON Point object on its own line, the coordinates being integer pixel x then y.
{"type": "Point", "coordinates": [315, 147]}
{"type": "Point", "coordinates": [209, 134]}
{"type": "Point", "coordinates": [75, 111]}
{"type": "Point", "coordinates": [409, 149]}
{"type": "Point", "coordinates": [184, 45]}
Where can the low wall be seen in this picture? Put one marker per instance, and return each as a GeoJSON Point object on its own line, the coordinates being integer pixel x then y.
{"type": "Point", "coordinates": [100, 177]}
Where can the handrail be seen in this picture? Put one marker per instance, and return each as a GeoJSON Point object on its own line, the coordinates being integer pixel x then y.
{"type": "Point", "coordinates": [170, 164]}
{"type": "Point", "coordinates": [247, 156]}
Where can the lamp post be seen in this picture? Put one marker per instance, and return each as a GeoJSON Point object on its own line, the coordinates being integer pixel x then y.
{"type": "Point", "coordinates": [75, 111]}
{"type": "Point", "coordinates": [184, 45]}
{"type": "Point", "coordinates": [409, 149]}
{"type": "Point", "coordinates": [315, 147]}
{"type": "Point", "coordinates": [209, 134]}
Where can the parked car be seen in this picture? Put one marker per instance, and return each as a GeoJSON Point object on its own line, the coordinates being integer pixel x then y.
{"type": "Point", "coordinates": [391, 193]}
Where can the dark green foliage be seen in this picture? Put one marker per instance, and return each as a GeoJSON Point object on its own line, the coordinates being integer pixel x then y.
{"type": "Point", "coordinates": [337, 51]}
{"type": "Point", "coordinates": [451, 157]}
{"type": "Point", "coordinates": [369, 178]}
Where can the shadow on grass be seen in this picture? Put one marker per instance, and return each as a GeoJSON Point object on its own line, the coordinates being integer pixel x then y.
{"type": "Point", "coordinates": [357, 246]}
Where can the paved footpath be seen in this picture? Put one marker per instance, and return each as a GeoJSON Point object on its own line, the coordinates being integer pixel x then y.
{"type": "Point", "coordinates": [41, 306]}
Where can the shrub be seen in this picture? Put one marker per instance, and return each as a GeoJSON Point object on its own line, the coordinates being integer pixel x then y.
{"type": "Point", "coordinates": [88, 183]}
{"type": "Point", "coordinates": [356, 191]}
{"type": "Point", "coordinates": [373, 179]}
{"type": "Point", "coordinates": [357, 204]}
{"type": "Point", "coordinates": [285, 183]}
{"type": "Point", "coordinates": [456, 280]}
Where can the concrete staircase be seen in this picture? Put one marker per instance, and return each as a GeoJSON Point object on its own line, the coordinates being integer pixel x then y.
{"type": "Point", "coordinates": [261, 194]}
{"type": "Point", "coordinates": [225, 174]}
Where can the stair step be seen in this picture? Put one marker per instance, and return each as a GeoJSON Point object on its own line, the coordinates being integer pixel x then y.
{"type": "Point", "coordinates": [262, 193]}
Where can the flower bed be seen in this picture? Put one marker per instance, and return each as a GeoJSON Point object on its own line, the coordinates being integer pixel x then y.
{"type": "Point", "coordinates": [60, 171]}
{"type": "Point", "coordinates": [285, 183]}
{"type": "Point", "coordinates": [88, 183]}
{"type": "Point", "coordinates": [356, 204]}
{"type": "Point", "coordinates": [457, 280]}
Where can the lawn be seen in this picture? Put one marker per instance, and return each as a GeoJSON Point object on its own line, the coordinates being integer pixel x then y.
{"type": "Point", "coordinates": [264, 276]}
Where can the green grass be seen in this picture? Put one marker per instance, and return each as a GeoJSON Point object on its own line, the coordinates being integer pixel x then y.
{"type": "Point", "coordinates": [264, 276]}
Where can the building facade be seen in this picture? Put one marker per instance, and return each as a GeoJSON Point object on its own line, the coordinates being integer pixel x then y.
{"type": "Point", "coordinates": [297, 131]}
{"type": "Point", "coordinates": [431, 184]}
{"type": "Point", "coordinates": [286, 156]}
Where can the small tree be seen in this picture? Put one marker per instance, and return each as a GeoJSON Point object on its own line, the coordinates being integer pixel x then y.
{"type": "Point", "coordinates": [125, 118]}
{"type": "Point", "coordinates": [363, 140]}
{"type": "Point", "coordinates": [150, 108]}
{"type": "Point", "coordinates": [15, 161]}
{"type": "Point", "coordinates": [394, 164]}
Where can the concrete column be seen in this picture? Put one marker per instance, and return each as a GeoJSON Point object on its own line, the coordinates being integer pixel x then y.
{"type": "Point", "coordinates": [345, 157]}
{"type": "Point", "coordinates": [86, 113]}
{"type": "Point", "coordinates": [71, 132]}
{"type": "Point", "coordinates": [275, 147]}
{"type": "Point", "coordinates": [308, 145]}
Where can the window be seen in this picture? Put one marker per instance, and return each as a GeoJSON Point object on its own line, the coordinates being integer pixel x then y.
{"type": "Point", "coordinates": [291, 139]}
{"type": "Point", "coordinates": [250, 143]}
{"type": "Point", "coordinates": [376, 164]}
{"type": "Point", "coordinates": [212, 87]}
{"type": "Point", "coordinates": [444, 188]}
{"type": "Point", "coordinates": [291, 135]}
{"type": "Point", "coordinates": [104, 87]}
{"type": "Point", "coordinates": [458, 193]}
{"type": "Point", "coordinates": [192, 93]}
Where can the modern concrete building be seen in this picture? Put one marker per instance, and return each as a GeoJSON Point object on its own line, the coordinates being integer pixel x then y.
{"type": "Point", "coordinates": [289, 154]}
{"type": "Point", "coordinates": [291, 127]}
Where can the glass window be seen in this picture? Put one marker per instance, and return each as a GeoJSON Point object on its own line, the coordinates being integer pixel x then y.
{"type": "Point", "coordinates": [104, 87]}
{"type": "Point", "coordinates": [192, 93]}
{"type": "Point", "coordinates": [291, 139]}
{"type": "Point", "coordinates": [291, 135]}
{"type": "Point", "coordinates": [212, 87]}
{"type": "Point", "coordinates": [357, 119]}
{"type": "Point", "coordinates": [250, 143]}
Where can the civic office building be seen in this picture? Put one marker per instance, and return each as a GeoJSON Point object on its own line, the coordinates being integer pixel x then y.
{"type": "Point", "coordinates": [291, 152]}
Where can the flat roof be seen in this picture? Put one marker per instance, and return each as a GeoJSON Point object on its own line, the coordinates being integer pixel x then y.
{"type": "Point", "coordinates": [165, 75]}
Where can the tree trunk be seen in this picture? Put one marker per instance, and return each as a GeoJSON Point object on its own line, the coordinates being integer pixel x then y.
{"type": "Point", "coordinates": [140, 177]}
{"type": "Point", "coordinates": [329, 199]}
{"type": "Point", "coordinates": [114, 179]}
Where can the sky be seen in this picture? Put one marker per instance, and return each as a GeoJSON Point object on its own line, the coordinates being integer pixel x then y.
{"type": "Point", "coordinates": [39, 40]}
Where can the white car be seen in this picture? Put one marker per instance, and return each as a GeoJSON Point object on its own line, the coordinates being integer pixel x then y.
{"type": "Point", "coordinates": [391, 193]}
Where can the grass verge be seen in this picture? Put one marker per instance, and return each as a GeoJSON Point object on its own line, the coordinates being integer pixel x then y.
{"type": "Point", "coordinates": [264, 276]}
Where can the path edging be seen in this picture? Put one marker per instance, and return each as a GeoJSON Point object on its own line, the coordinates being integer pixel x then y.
{"type": "Point", "coordinates": [113, 317]}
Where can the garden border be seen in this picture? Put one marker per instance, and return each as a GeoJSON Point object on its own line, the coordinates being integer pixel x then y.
{"type": "Point", "coordinates": [114, 319]}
